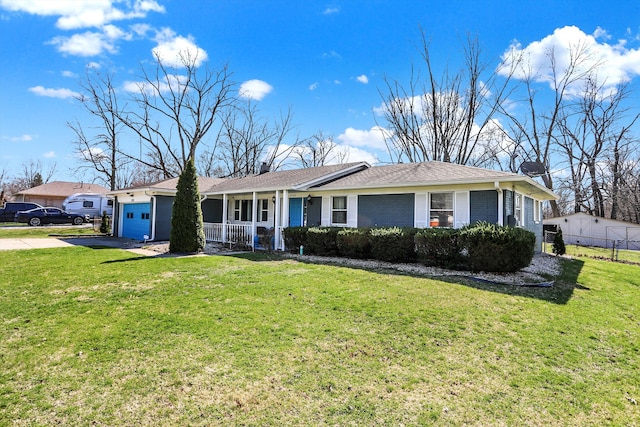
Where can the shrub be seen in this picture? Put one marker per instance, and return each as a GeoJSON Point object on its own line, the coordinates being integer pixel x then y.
{"type": "Point", "coordinates": [439, 247]}
{"type": "Point", "coordinates": [558, 247]}
{"type": "Point", "coordinates": [105, 224]}
{"type": "Point", "coordinates": [491, 247]}
{"type": "Point", "coordinates": [187, 227]}
{"type": "Point", "coordinates": [393, 244]}
{"type": "Point", "coordinates": [354, 243]}
{"type": "Point", "coordinates": [322, 241]}
{"type": "Point", "coordinates": [294, 237]}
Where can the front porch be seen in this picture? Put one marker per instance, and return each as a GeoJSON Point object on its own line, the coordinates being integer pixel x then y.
{"type": "Point", "coordinates": [243, 234]}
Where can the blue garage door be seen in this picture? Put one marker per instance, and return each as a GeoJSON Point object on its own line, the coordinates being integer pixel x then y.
{"type": "Point", "coordinates": [135, 221]}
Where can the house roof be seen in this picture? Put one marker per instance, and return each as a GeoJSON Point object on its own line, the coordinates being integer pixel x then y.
{"type": "Point", "coordinates": [431, 173]}
{"type": "Point", "coordinates": [605, 221]}
{"type": "Point", "coordinates": [295, 179]}
{"type": "Point", "coordinates": [170, 185]}
{"type": "Point", "coordinates": [63, 189]}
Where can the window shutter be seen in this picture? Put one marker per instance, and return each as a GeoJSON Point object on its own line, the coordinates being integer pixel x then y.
{"type": "Point", "coordinates": [420, 210]}
{"type": "Point", "coordinates": [461, 209]}
{"type": "Point", "coordinates": [325, 218]}
{"type": "Point", "coordinates": [352, 211]}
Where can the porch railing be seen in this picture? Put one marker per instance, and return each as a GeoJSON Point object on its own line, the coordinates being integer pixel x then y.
{"type": "Point", "coordinates": [236, 233]}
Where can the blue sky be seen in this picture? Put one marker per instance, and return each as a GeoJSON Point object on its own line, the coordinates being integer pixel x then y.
{"type": "Point", "coordinates": [324, 59]}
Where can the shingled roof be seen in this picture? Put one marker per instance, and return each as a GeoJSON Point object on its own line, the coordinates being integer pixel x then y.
{"type": "Point", "coordinates": [428, 173]}
{"type": "Point", "coordinates": [296, 179]}
{"type": "Point", "coordinates": [63, 189]}
{"type": "Point", "coordinates": [171, 184]}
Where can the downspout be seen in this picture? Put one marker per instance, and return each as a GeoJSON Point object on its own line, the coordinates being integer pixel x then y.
{"type": "Point", "coordinates": [153, 223]}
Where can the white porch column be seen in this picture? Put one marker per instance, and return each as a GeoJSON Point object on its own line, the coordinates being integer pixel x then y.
{"type": "Point", "coordinates": [225, 215]}
{"type": "Point", "coordinates": [500, 204]}
{"type": "Point", "coordinates": [285, 214]}
{"type": "Point", "coordinates": [254, 219]}
{"type": "Point", "coordinates": [277, 221]}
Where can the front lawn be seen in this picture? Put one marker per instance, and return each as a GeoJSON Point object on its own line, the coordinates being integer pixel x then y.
{"type": "Point", "coordinates": [106, 337]}
{"type": "Point", "coordinates": [19, 232]}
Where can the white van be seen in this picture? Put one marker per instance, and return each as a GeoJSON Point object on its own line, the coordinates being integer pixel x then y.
{"type": "Point", "coordinates": [88, 204]}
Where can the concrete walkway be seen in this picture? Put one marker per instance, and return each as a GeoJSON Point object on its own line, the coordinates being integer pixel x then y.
{"type": "Point", "coordinates": [53, 242]}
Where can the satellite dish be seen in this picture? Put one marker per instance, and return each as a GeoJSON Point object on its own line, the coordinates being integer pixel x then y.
{"type": "Point", "coordinates": [532, 169]}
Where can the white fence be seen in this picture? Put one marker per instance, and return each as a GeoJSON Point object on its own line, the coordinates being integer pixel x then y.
{"type": "Point", "coordinates": [236, 233]}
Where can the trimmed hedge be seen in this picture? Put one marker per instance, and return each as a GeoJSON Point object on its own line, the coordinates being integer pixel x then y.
{"type": "Point", "coordinates": [439, 247]}
{"type": "Point", "coordinates": [354, 243]}
{"type": "Point", "coordinates": [490, 247]}
{"type": "Point", "coordinates": [294, 237]}
{"type": "Point", "coordinates": [480, 247]}
{"type": "Point", "coordinates": [393, 244]}
{"type": "Point", "coordinates": [322, 241]}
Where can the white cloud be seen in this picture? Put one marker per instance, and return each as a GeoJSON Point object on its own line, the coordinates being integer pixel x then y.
{"type": "Point", "coordinates": [174, 50]}
{"type": "Point", "coordinates": [174, 81]}
{"type": "Point", "coordinates": [373, 138]}
{"type": "Point", "coordinates": [49, 154]}
{"type": "Point", "coordinates": [314, 86]}
{"type": "Point", "coordinates": [69, 74]}
{"type": "Point", "coordinates": [355, 154]}
{"type": "Point", "coordinates": [21, 138]}
{"type": "Point", "coordinates": [61, 93]}
{"type": "Point", "coordinates": [615, 63]}
{"type": "Point", "coordinates": [363, 79]}
{"type": "Point", "coordinates": [85, 44]}
{"type": "Point", "coordinates": [331, 55]}
{"type": "Point", "coordinates": [331, 10]}
{"type": "Point", "coordinates": [255, 89]}
{"type": "Point", "coordinates": [74, 14]}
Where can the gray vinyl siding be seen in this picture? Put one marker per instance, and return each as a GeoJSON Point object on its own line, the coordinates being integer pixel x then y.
{"type": "Point", "coordinates": [483, 206]}
{"type": "Point", "coordinates": [508, 207]}
{"type": "Point", "coordinates": [530, 225]}
{"type": "Point", "coordinates": [314, 212]}
{"type": "Point", "coordinates": [386, 210]}
{"type": "Point", "coordinates": [164, 206]}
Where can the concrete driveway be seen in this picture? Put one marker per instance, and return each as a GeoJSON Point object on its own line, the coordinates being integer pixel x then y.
{"type": "Point", "coordinates": [60, 242]}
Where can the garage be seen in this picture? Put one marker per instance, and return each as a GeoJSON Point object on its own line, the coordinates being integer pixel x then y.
{"type": "Point", "coordinates": [136, 221]}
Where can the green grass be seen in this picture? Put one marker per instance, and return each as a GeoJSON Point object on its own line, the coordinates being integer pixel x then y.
{"type": "Point", "coordinates": [102, 336]}
{"type": "Point", "coordinates": [622, 255]}
{"type": "Point", "coordinates": [46, 231]}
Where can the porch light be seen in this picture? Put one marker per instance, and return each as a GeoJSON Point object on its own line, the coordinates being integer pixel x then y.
{"type": "Point", "coordinates": [309, 200]}
{"type": "Point", "coordinates": [273, 199]}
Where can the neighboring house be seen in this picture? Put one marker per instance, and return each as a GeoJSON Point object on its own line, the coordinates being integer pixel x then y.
{"type": "Point", "coordinates": [587, 230]}
{"type": "Point", "coordinates": [428, 194]}
{"type": "Point", "coordinates": [54, 193]}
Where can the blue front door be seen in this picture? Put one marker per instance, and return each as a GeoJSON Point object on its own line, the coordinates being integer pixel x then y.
{"type": "Point", "coordinates": [295, 213]}
{"type": "Point", "coordinates": [136, 222]}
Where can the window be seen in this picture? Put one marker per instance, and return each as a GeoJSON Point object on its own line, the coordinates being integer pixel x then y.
{"type": "Point", "coordinates": [517, 210]}
{"type": "Point", "coordinates": [109, 202]}
{"type": "Point", "coordinates": [242, 210]}
{"type": "Point", "coordinates": [144, 215]}
{"type": "Point", "coordinates": [87, 204]}
{"type": "Point", "coordinates": [339, 210]}
{"type": "Point", "coordinates": [441, 210]}
{"type": "Point", "coordinates": [263, 210]}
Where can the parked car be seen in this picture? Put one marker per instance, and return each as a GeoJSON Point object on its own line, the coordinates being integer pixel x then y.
{"type": "Point", "coordinates": [8, 212]}
{"type": "Point", "coordinates": [41, 216]}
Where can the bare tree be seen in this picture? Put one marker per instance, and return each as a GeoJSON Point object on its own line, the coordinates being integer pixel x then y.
{"type": "Point", "coordinates": [248, 140]}
{"type": "Point", "coordinates": [539, 127]}
{"type": "Point", "coordinates": [101, 152]}
{"type": "Point", "coordinates": [449, 118]}
{"type": "Point", "coordinates": [174, 111]}
{"type": "Point", "coordinates": [318, 150]}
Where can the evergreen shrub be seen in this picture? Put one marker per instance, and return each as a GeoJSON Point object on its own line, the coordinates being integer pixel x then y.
{"type": "Point", "coordinates": [322, 241]}
{"type": "Point", "coordinates": [490, 247]}
{"type": "Point", "coordinates": [439, 247]}
{"type": "Point", "coordinates": [393, 244]}
{"type": "Point", "coordinates": [187, 226]}
{"type": "Point", "coordinates": [354, 243]}
{"type": "Point", "coordinates": [294, 237]}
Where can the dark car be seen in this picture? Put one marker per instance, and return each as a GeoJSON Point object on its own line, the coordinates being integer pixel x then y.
{"type": "Point", "coordinates": [8, 212]}
{"type": "Point", "coordinates": [40, 216]}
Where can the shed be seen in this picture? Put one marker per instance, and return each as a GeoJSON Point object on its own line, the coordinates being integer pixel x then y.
{"type": "Point", "coordinates": [588, 230]}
